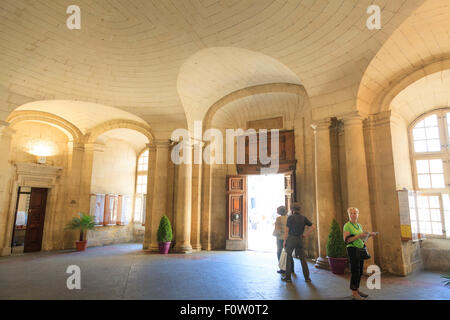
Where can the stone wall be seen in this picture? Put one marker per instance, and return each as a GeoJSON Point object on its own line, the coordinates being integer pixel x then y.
{"type": "Point", "coordinates": [435, 254]}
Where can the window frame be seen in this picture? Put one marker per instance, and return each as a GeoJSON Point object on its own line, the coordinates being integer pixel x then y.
{"type": "Point", "coordinates": [443, 154]}
{"type": "Point", "coordinates": [143, 196]}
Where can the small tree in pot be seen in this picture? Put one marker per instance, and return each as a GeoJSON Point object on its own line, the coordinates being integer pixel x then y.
{"type": "Point", "coordinates": [83, 223]}
{"type": "Point", "coordinates": [336, 249]}
{"type": "Point", "coordinates": [164, 235]}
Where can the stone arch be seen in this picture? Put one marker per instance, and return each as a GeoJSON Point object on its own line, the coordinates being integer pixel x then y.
{"type": "Point", "coordinates": [92, 135]}
{"type": "Point", "coordinates": [404, 82]}
{"type": "Point", "coordinates": [253, 90]}
{"type": "Point", "coordinates": [73, 133]}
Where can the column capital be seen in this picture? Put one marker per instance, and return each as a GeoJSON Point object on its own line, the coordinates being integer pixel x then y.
{"type": "Point", "coordinates": [322, 124]}
{"type": "Point", "coordinates": [76, 145]}
{"type": "Point", "coordinates": [352, 119]}
{"type": "Point", "coordinates": [160, 143]}
{"type": "Point", "coordinates": [5, 129]}
{"type": "Point", "coordinates": [94, 147]}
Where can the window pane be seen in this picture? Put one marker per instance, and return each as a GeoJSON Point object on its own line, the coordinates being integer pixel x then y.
{"type": "Point", "coordinates": [436, 166]}
{"type": "Point", "coordinates": [431, 121]}
{"type": "Point", "coordinates": [419, 134]}
{"type": "Point", "coordinates": [422, 202]}
{"type": "Point", "coordinates": [433, 145]}
{"type": "Point", "coordinates": [424, 215]}
{"type": "Point", "coordinates": [424, 181]}
{"type": "Point", "coordinates": [422, 166]}
{"type": "Point", "coordinates": [420, 146]}
{"type": "Point", "coordinates": [432, 133]}
{"type": "Point", "coordinates": [138, 209]}
{"type": "Point", "coordinates": [426, 135]}
{"type": "Point", "coordinates": [420, 124]}
{"type": "Point", "coordinates": [446, 201]}
{"type": "Point", "coordinates": [436, 215]}
{"type": "Point", "coordinates": [437, 228]}
{"type": "Point", "coordinates": [437, 181]}
{"type": "Point", "coordinates": [425, 227]}
{"type": "Point", "coordinates": [433, 202]}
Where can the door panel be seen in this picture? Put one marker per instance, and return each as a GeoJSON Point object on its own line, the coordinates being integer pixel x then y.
{"type": "Point", "coordinates": [236, 207]}
{"type": "Point", "coordinates": [36, 216]}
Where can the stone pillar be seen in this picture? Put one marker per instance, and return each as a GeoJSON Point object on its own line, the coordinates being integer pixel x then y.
{"type": "Point", "coordinates": [160, 196]}
{"type": "Point", "coordinates": [206, 207]}
{"type": "Point", "coordinates": [151, 171]}
{"type": "Point", "coordinates": [184, 203]}
{"type": "Point", "coordinates": [86, 178]}
{"type": "Point", "coordinates": [196, 196]}
{"type": "Point", "coordinates": [356, 168]}
{"type": "Point", "coordinates": [6, 172]}
{"type": "Point", "coordinates": [68, 206]}
{"type": "Point", "coordinates": [325, 199]}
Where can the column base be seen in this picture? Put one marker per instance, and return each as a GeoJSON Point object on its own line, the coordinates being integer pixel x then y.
{"type": "Point", "coordinates": [6, 251]}
{"type": "Point", "coordinates": [153, 247]}
{"type": "Point", "coordinates": [146, 246]}
{"type": "Point", "coordinates": [196, 247]}
{"type": "Point", "coordinates": [322, 263]}
{"type": "Point", "coordinates": [206, 246]}
{"type": "Point", "coordinates": [182, 249]}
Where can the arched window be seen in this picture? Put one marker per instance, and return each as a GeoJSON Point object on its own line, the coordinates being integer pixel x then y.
{"type": "Point", "coordinates": [141, 187]}
{"type": "Point", "coordinates": [430, 142]}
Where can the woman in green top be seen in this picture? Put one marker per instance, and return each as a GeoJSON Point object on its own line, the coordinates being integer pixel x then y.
{"type": "Point", "coordinates": [353, 233]}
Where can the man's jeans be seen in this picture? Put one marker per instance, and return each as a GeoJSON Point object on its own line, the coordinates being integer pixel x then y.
{"type": "Point", "coordinates": [292, 243]}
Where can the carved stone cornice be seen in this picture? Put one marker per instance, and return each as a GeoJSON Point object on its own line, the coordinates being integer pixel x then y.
{"type": "Point", "coordinates": [322, 125]}
{"type": "Point", "coordinates": [37, 175]}
{"type": "Point", "coordinates": [5, 129]}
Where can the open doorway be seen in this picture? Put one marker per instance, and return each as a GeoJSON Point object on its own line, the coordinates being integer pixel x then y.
{"type": "Point", "coordinates": [265, 194]}
{"type": "Point", "coordinates": [29, 220]}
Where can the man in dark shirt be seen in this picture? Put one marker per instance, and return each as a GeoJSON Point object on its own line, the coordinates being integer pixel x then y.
{"type": "Point", "coordinates": [293, 239]}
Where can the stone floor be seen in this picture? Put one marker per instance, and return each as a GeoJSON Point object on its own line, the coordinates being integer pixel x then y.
{"type": "Point", "coordinates": [126, 272]}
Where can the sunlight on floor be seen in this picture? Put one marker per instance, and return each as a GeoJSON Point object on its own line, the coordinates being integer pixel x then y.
{"type": "Point", "coordinates": [265, 194]}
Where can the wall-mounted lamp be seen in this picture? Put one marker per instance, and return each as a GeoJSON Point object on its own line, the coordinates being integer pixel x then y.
{"type": "Point", "coordinates": [42, 160]}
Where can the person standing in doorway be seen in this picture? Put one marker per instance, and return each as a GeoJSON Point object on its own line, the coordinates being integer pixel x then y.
{"type": "Point", "coordinates": [280, 226]}
{"type": "Point", "coordinates": [353, 235]}
{"type": "Point", "coordinates": [293, 239]}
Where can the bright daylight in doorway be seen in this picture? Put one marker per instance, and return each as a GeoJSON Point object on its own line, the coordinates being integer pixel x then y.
{"type": "Point", "coordinates": [265, 194]}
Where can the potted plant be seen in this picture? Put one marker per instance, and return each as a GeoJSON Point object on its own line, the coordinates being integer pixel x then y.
{"type": "Point", "coordinates": [446, 280]}
{"type": "Point", "coordinates": [83, 223]}
{"type": "Point", "coordinates": [164, 235]}
{"type": "Point", "coordinates": [336, 249]}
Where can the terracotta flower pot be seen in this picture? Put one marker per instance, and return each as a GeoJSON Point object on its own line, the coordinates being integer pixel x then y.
{"type": "Point", "coordinates": [164, 247]}
{"type": "Point", "coordinates": [81, 245]}
{"type": "Point", "coordinates": [338, 265]}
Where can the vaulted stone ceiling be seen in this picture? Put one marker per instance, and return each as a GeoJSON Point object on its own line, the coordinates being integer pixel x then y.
{"type": "Point", "coordinates": [128, 54]}
{"type": "Point", "coordinates": [420, 41]}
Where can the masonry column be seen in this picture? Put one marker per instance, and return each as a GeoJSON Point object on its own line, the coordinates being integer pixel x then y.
{"type": "Point", "coordinates": [184, 202]}
{"type": "Point", "coordinates": [151, 171]}
{"type": "Point", "coordinates": [196, 196]}
{"type": "Point", "coordinates": [6, 172]}
{"type": "Point", "coordinates": [71, 187]}
{"type": "Point", "coordinates": [160, 196]}
{"type": "Point", "coordinates": [357, 180]}
{"type": "Point", "coordinates": [325, 200]}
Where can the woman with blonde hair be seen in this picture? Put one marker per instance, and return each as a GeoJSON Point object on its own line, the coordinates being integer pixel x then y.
{"type": "Point", "coordinates": [353, 237]}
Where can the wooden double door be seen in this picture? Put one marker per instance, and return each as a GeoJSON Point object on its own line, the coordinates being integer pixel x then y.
{"type": "Point", "coordinates": [237, 203]}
